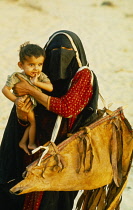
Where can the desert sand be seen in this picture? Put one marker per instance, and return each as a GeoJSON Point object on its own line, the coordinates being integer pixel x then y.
{"type": "Point", "coordinates": [106, 31]}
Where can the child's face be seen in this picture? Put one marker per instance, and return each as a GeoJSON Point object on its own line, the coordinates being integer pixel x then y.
{"type": "Point", "coordinates": [32, 66]}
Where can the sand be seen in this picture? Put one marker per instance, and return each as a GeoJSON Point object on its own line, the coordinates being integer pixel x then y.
{"type": "Point", "coordinates": [107, 35]}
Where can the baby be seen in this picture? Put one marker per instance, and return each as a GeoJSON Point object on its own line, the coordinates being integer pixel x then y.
{"type": "Point", "coordinates": [31, 59]}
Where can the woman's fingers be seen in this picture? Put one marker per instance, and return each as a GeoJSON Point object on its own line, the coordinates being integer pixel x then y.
{"type": "Point", "coordinates": [23, 111]}
{"type": "Point", "coordinates": [27, 107]}
{"type": "Point", "coordinates": [20, 101]}
{"type": "Point", "coordinates": [27, 104]}
{"type": "Point", "coordinates": [21, 88]}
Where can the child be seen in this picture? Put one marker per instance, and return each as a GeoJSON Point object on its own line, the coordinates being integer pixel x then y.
{"type": "Point", "coordinates": [31, 58]}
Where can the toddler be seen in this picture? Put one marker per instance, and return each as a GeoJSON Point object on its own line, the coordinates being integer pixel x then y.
{"type": "Point", "coordinates": [31, 59]}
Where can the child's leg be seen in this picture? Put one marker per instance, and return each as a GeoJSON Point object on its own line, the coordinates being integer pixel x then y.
{"type": "Point", "coordinates": [32, 130]}
{"type": "Point", "coordinates": [22, 143]}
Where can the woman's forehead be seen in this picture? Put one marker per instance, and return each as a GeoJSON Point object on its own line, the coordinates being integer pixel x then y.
{"type": "Point", "coordinates": [60, 40]}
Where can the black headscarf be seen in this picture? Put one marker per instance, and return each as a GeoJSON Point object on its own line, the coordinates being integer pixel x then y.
{"type": "Point", "coordinates": [61, 63]}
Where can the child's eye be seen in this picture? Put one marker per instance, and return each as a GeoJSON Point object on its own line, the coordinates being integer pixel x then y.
{"type": "Point", "coordinates": [31, 64]}
{"type": "Point", "coordinates": [40, 64]}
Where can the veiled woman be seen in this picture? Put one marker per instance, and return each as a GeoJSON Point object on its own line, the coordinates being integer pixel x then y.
{"type": "Point", "coordinates": [72, 104]}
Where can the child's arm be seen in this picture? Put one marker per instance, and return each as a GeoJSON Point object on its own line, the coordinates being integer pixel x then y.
{"type": "Point", "coordinates": [6, 91]}
{"type": "Point", "coordinates": [43, 85]}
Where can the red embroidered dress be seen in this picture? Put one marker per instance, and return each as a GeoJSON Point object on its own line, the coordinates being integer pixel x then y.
{"type": "Point", "coordinates": [77, 97]}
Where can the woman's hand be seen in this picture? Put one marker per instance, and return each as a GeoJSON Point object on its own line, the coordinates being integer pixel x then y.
{"type": "Point", "coordinates": [23, 107]}
{"type": "Point", "coordinates": [24, 88]}
{"type": "Point", "coordinates": [21, 88]}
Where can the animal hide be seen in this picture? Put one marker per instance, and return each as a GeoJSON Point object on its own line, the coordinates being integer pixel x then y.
{"type": "Point", "coordinates": [96, 159]}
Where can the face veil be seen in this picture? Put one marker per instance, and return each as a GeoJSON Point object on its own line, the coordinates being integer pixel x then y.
{"type": "Point", "coordinates": [64, 56]}
{"type": "Point", "coordinates": [59, 63]}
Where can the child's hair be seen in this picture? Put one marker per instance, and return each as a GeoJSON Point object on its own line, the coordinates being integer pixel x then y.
{"type": "Point", "coordinates": [30, 50]}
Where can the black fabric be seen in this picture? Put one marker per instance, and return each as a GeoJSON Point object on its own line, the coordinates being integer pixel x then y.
{"type": "Point", "coordinates": [58, 200]}
{"type": "Point", "coordinates": [11, 163]}
{"type": "Point", "coordinates": [9, 201]}
{"type": "Point", "coordinates": [60, 57]}
{"type": "Point", "coordinates": [11, 156]}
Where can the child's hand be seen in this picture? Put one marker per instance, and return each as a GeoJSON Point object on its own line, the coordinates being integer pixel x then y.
{"type": "Point", "coordinates": [34, 79]}
{"type": "Point", "coordinates": [19, 101]}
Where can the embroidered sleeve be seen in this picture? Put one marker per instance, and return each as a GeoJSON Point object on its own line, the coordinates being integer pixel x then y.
{"type": "Point", "coordinates": [77, 97]}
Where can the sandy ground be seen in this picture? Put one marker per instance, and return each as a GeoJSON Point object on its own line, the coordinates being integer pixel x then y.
{"type": "Point", "coordinates": [107, 35]}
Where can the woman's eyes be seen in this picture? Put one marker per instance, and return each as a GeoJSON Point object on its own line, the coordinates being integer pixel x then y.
{"type": "Point", "coordinates": [55, 49]}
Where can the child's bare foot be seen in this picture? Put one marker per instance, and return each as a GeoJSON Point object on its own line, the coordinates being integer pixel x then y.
{"type": "Point", "coordinates": [24, 147]}
{"type": "Point", "coordinates": [32, 146]}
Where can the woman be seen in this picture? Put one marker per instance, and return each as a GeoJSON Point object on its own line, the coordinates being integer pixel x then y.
{"type": "Point", "coordinates": [71, 105]}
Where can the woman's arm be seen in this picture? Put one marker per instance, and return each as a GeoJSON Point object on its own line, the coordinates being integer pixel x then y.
{"type": "Point", "coordinates": [77, 97]}
{"type": "Point", "coordinates": [68, 105]}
